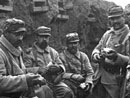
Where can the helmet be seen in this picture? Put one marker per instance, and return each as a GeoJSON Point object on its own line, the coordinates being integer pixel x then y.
{"type": "Point", "coordinates": [42, 30]}
{"type": "Point", "coordinates": [14, 25]}
{"type": "Point", "coordinates": [115, 11]}
{"type": "Point", "coordinates": [72, 37]}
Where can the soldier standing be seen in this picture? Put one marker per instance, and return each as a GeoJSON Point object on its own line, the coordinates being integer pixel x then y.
{"type": "Point", "coordinates": [112, 55]}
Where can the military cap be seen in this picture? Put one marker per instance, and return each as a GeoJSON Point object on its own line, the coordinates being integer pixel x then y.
{"type": "Point", "coordinates": [72, 37]}
{"type": "Point", "coordinates": [127, 9]}
{"type": "Point", "coordinates": [42, 30]}
{"type": "Point", "coordinates": [14, 25]}
{"type": "Point", "coordinates": [115, 11]}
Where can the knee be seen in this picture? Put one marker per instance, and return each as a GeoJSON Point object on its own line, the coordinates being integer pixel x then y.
{"type": "Point", "coordinates": [68, 93]}
{"type": "Point", "coordinates": [45, 88]}
{"type": "Point", "coordinates": [44, 92]}
{"type": "Point", "coordinates": [64, 92]}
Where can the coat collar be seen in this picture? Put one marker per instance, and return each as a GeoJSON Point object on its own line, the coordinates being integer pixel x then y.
{"type": "Point", "coordinates": [47, 49]}
{"type": "Point", "coordinates": [9, 46]}
{"type": "Point", "coordinates": [77, 55]}
{"type": "Point", "coordinates": [118, 32]}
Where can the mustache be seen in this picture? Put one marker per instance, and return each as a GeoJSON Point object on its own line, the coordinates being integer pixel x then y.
{"type": "Point", "coordinates": [43, 45]}
{"type": "Point", "coordinates": [117, 23]}
{"type": "Point", "coordinates": [73, 50]}
{"type": "Point", "coordinates": [18, 43]}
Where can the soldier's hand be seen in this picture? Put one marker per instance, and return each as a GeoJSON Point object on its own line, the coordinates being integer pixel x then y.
{"type": "Point", "coordinates": [85, 86]}
{"type": "Point", "coordinates": [33, 79]}
{"type": "Point", "coordinates": [77, 77]}
{"type": "Point", "coordinates": [66, 75]}
{"type": "Point", "coordinates": [43, 70]}
{"type": "Point", "coordinates": [40, 81]}
{"type": "Point", "coordinates": [97, 57]}
{"type": "Point", "coordinates": [111, 54]}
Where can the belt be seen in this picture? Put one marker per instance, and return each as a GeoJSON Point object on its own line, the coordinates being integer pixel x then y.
{"type": "Point", "coordinates": [113, 69]}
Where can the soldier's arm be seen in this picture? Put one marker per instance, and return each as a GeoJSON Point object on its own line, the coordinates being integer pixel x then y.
{"type": "Point", "coordinates": [31, 66]}
{"type": "Point", "coordinates": [123, 59]}
{"type": "Point", "coordinates": [9, 83]}
{"type": "Point", "coordinates": [100, 46]}
{"type": "Point", "coordinates": [29, 62]}
{"type": "Point", "coordinates": [58, 61]}
{"type": "Point", "coordinates": [88, 69]}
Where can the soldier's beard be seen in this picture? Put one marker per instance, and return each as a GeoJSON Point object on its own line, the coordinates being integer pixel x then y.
{"type": "Point", "coordinates": [43, 44]}
{"type": "Point", "coordinates": [18, 43]}
{"type": "Point", "coordinates": [117, 26]}
{"type": "Point", "coordinates": [72, 50]}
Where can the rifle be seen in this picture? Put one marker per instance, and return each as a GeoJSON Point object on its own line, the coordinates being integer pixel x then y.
{"type": "Point", "coordinates": [123, 89]}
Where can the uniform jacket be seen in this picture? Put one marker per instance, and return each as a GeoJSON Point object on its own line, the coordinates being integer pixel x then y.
{"type": "Point", "coordinates": [111, 39]}
{"type": "Point", "coordinates": [42, 57]}
{"type": "Point", "coordinates": [9, 82]}
{"type": "Point", "coordinates": [74, 63]}
{"type": "Point", "coordinates": [12, 75]}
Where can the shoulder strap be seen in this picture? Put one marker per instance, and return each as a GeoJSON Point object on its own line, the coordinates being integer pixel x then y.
{"type": "Point", "coordinates": [68, 62]}
{"type": "Point", "coordinates": [34, 51]}
{"type": "Point", "coordinates": [9, 58]}
{"type": "Point", "coordinates": [123, 37]}
{"type": "Point", "coordinates": [81, 61]}
{"type": "Point", "coordinates": [108, 38]}
{"type": "Point", "coordinates": [52, 55]}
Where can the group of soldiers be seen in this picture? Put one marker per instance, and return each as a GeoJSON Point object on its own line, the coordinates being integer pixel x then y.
{"type": "Point", "coordinates": [42, 72]}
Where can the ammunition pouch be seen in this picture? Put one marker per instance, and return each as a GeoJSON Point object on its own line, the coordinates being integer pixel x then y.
{"type": "Point", "coordinates": [113, 69]}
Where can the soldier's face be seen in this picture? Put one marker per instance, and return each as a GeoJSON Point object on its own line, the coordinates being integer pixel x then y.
{"type": "Point", "coordinates": [72, 47]}
{"type": "Point", "coordinates": [43, 41]}
{"type": "Point", "coordinates": [127, 17]}
{"type": "Point", "coordinates": [117, 22]}
{"type": "Point", "coordinates": [16, 38]}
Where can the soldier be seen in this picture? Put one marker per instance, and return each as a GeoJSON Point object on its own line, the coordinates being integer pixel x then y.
{"type": "Point", "coordinates": [112, 54]}
{"type": "Point", "coordinates": [127, 14]}
{"type": "Point", "coordinates": [78, 67]}
{"type": "Point", "coordinates": [41, 54]}
{"type": "Point", "coordinates": [15, 78]}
